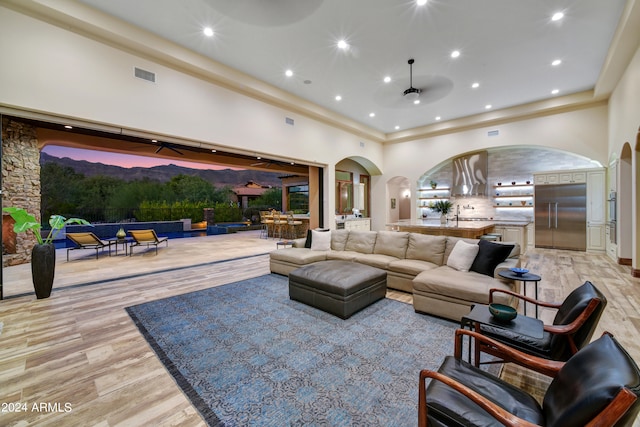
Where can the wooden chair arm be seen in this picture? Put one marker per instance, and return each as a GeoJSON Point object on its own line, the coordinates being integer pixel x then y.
{"type": "Point", "coordinates": [523, 297]}
{"type": "Point", "coordinates": [538, 364]}
{"type": "Point", "coordinates": [504, 417]}
{"type": "Point", "coordinates": [610, 415]}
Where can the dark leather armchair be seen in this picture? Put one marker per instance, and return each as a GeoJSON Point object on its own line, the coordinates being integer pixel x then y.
{"type": "Point", "coordinates": [572, 328]}
{"type": "Point", "coordinates": [598, 386]}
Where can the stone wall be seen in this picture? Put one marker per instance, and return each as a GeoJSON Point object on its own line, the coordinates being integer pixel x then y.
{"type": "Point", "coordinates": [20, 181]}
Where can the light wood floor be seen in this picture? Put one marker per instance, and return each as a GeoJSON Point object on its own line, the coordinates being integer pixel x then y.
{"type": "Point", "coordinates": [79, 347]}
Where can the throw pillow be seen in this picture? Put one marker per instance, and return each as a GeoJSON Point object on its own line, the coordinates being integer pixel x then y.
{"type": "Point", "coordinates": [320, 240]}
{"type": "Point", "coordinates": [489, 256]}
{"type": "Point", "coordinates": [462, 255]}
{"type": "Point", "coordinates": [307, 243]}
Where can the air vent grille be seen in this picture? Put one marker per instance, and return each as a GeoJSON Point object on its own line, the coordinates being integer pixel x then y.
{"type": "Point", "coordinates": [288, 121]}
{"type": "Point", "coordinates": [145, 75]}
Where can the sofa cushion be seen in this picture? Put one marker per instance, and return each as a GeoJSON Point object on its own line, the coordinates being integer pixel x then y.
{"type": "Point", "coordinates": [410, 266]}
{"type": "Point", "coordinates": [339, 239]}
{"type": "Point", "coordinates": [309, 241]}
{"type": "Point", "coordinates": [451, 243]}
{"type": "Point", "coordinates": [462, 256]}
{"type": "Point", "coordinates": [489, 256]}
{"type": "Point", "coordinates": [426, 248]}
{"type": "Point", "coordinates": [361, 241]}
{"type": "Point", "coordinates": [300, 256]}
{"type": "Point", "coordinates": [375, 260]}
{"type": "Point", "coordinates": [342, 255]}
{"type": "Point", "coordinates": [320, 240]}
{"type": "Point", "coordinates": [392, 243]}
{"type": "Point", "coordinates": [462, 286]}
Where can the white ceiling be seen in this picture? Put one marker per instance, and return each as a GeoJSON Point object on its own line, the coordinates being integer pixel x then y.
{"type": "Point", "coordinates": [507, 46]}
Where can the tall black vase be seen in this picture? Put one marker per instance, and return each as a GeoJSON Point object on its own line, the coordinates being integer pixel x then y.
{"type": "Point", "coordinates": [43, 267]}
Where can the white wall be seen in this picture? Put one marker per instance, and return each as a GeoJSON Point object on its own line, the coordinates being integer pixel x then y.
{"type": "Point", "coordinates": [583, 132]}
{"type": "Point", "coordinates": [624, 123]}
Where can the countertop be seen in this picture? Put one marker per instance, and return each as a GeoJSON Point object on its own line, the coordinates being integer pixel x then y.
{"type": "Point", "coordinates": [460, 225]}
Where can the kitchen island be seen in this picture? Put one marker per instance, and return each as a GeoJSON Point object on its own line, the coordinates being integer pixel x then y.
{"type": "Point", "coordinates": [471, 229]}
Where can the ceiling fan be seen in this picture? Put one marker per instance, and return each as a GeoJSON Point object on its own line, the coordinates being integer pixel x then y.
{"type": "Point", "coordinates": [162, 145]}
{"type": "Point", "coordinates": [412, 93]}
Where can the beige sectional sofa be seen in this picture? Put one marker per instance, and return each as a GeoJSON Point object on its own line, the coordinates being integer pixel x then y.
{"type": "Point", "coordinates": [414, 262]}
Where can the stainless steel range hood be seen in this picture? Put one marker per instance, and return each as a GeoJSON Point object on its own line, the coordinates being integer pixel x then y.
{"type": "Point", "coordinates": [470, 175]}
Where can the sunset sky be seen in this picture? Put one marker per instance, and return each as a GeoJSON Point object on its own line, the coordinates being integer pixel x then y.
{"type": "Point", "coordinates": [123, 160]}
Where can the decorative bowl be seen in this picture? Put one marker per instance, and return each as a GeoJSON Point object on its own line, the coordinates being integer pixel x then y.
{"type": "Point", "coordinates": [502, 313]}
{"type": "Point", "coordinates": [519, 271]}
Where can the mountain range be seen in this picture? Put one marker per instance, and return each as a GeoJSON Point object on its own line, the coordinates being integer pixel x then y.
{"type": "Point", "coordinates": [219, 178]}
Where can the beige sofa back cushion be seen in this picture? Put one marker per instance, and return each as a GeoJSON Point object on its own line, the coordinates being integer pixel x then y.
{"type": "Point", "coordinates": [392, 243]}
{"type": "Point", "coordinates": [451, 242]}
{"type": "Point", "coordinates": [339, 239]}
{"type": "Point", "coordinates": [426, 248]}
{"type": "Point", "coordinates": [361, 241]}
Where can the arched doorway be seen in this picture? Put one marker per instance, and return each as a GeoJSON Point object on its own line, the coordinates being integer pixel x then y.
{"type": "Point", "coordinates": [399, 199]}
{"type": "Point", "coordinates": [624, 206]}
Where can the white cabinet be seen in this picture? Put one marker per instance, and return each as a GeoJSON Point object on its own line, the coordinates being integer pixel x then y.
{"type": "Point", "coordinates": [360, 224]}
{"type": "Point", "coordinates": [564, 177]}
{"type": "Point", "coordinates": [513, 234]}
{"type": "Point", "coordinates": [596, 219]}
{"type": "Point", "coordinates": [531, 236]}
{"type": "Point", "coordinates": [572, 177]}
{"type": "Point", "coordinates": [547, 178]}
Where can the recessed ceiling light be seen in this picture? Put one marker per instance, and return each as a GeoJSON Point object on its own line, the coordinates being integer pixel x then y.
{"type": "Point", "coordinates": [438, 118]}
{"type": "Point", "coordinates": [557, 16]}
{"type": "Point", "coordinates": [154, 140]}
{"type": "Point", "coordinates": [397, 127]}
{"type": "Point", "coordinates": [455, 54]}
{"type": "Point", "coordinates": [213, 150]}
{"type": "Point", "coordinates": [288, 73]}
{"type": "Point", "coordinates": [387, 79]}
{"type": "Point", "coordinates": [343, 44]}
{"type": "Point", "coordinates": [556, 62]}
{"type": "Point", "coordinates": [555, 92]}
{"type": "Point", "coordinates": [416, 102]}
{"type": "Point", "coordinates": [258, 158]}
{"type": "Point", "coordinates": [475, 85]}
{"type": "Point", "coordinates": [208, 31]}
{"type": "Point", "coordinates": [338, 98]}
{"type": "Point", "coordinates": [488, 106]}
{"type": "Point", "coordinates": [421, 2]}
{"type": "Point", "coordinates": [372, 114]}
{"type": "Point", "coordinates": [68, 127]}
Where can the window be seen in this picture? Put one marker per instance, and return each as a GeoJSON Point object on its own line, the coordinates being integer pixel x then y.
{"type": "Point", "coordinates": [298, 198]}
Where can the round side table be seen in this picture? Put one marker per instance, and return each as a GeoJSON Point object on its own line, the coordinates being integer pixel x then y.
{"type": "Point", "coordinates": [524, 278]}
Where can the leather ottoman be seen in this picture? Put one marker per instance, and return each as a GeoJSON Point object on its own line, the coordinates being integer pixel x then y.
{"type": "Point", "coordinates": [338, 287]}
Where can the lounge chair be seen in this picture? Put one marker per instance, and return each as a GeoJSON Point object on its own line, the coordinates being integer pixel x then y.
{"type": "Point", "coordinates": [146, 237]}
{"type": "Point", "coordinates": [88, 241]}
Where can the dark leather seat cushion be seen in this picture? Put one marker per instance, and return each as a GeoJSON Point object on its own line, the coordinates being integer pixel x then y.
{"type": "Point", "coordinates": [448, 407]}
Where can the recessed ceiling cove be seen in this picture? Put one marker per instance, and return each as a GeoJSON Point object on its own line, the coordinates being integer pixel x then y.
{"type": "Point", "coordinates": [266, 13]}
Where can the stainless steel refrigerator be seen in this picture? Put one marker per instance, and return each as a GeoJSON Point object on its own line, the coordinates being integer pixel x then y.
{"type": "Point", "coordinates": [561, 216]}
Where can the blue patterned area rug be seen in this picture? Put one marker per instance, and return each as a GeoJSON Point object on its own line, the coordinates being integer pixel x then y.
{"type": "Point", "coordinates": [246, 355]}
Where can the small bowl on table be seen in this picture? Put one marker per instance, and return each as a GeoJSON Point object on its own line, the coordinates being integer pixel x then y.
{"type": "Point", "coordinates": [502, 313]}
{"type": "Point", "coordinates": [519, 271]}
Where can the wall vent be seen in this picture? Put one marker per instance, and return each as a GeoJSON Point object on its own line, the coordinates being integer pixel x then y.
{"type": "Point", "coordinates": [493, 133]}
{"type": "Point", "coordinates": [145, 75]}
{"type": "Point", "coordinates": [288, 121]}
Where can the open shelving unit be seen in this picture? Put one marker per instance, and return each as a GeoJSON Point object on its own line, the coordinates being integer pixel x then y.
{"type": "Point", "coordinates": [513, 196]}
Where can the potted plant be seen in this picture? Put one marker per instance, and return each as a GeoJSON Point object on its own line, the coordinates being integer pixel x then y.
{"type": "Point", "coordinates": [443, 207]}
{"type": "Point", "coordinates": [43, 254]}
{"type": "Point", "coordinates": [433, 184]}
